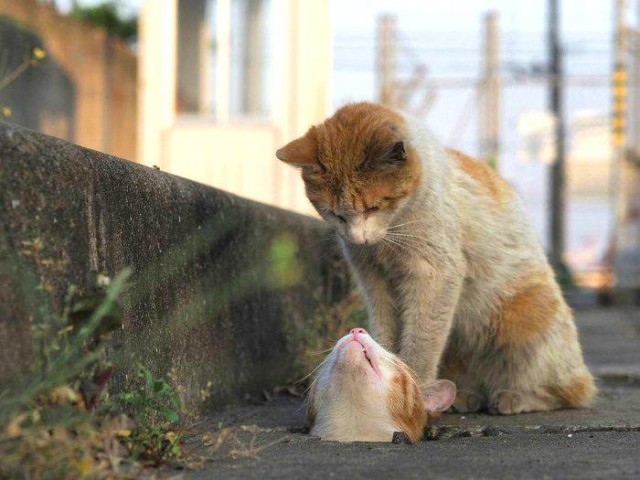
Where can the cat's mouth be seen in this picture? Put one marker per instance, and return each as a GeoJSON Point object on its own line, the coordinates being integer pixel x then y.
{"type": "Point", "coordinates": [366, 353]}
{"type": "Point", "coordinates": [367, 357]}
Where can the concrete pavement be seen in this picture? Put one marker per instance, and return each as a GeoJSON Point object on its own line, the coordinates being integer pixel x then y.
{"type": "Point", "coordinates": [600, 442]}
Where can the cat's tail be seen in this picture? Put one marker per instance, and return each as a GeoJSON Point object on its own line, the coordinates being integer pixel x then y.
{"type": "Point", "coordinates": [578, 392]}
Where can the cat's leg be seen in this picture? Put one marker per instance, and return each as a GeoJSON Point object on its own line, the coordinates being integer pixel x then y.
{"type": "Point", "coordinates": [456, 366]}
{"type": "Point", "coordinates": [381, 304]}
{"type": "Point", "coordinates": [561, 387]}
{"type": "Point", "coordinates": [428, 300]}
{"type": "Point", "coordinates": [537, 363]}
{"type": "Point", "coordinates": [383, 323]}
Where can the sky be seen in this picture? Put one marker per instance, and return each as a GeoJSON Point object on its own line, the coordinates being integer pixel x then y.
{"type": "Point", "coordinates": [464, 15]}
{"type": "Point", "coordinates": [461, 15]}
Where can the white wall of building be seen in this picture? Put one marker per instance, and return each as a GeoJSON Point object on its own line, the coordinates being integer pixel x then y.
{"type": "Point", "coordinates": [220, 145]}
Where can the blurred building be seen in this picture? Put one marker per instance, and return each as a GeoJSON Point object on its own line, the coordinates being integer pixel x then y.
{"type": "Point", "coordinates": [84, 90]}
{"type": "Point", "coordinates": [588, 180]}
{"type": "Point", "coordinates": [224, 83]}
{"type": "Point", "coordinates": [589, 170]}
{"type": "Point", "coordinates": [589, 162]}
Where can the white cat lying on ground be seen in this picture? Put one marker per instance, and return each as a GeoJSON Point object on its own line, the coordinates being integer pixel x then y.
{"type": "Point", "coordinates": [362, 392]}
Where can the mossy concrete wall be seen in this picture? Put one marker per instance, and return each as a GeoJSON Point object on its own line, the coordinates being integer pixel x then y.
{"type": "Point", "coordinates": [224, 289]}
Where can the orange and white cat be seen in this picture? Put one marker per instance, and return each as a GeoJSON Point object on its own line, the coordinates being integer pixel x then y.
{"type": "Point", "coordinates": [361, 392]}
{"type": "Point", "coordinates": [454, 277]}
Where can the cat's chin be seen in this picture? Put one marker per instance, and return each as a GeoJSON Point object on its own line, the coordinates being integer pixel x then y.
{"type": "Point", "coordinates": [359, 242]}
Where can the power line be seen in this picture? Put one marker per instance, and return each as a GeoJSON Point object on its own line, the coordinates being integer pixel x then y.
{"type": "Point", "coordinates": [583, 80]}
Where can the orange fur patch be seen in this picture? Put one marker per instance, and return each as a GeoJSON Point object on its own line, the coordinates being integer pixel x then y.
{"type": "Point", "coordinates": [483, 174]}
{"type": "Point", "coordinates": [406, 405]}
{"type": "Point", "coordinates": [529, 313]}
{"type": "Point", "coordinates": [576, 394]}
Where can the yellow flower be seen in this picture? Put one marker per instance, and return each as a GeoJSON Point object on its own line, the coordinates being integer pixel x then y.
{"type": "Point", "coordinates": [85, 466]}
{"type": "Point", "coordinates": [6, 111]}
{"type": "Point", "coordinates": [14, 429]}
{"type": "Point", "coordinates": [39, 53]}
{"type": "Point", "coordinates": [63, 395]}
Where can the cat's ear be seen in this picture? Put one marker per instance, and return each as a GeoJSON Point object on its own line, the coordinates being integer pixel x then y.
{"type": "Point", "coordinates": [302, 152]}
{"type": "Point", "coordinates": [386, 158]}
{"type": "Point", "coordinates": [398, 154]}
{"type": "Point", "coordinates": [439, 396]}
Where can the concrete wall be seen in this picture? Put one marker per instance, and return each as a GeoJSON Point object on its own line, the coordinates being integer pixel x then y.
{"type": "Point", "coordinates": [102, 72]}
{"type": "Point", "coordinates": [225, 290]}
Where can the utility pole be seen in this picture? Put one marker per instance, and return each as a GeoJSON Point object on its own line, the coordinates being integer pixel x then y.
{"type": "Point", "coordinates": [489, 127]}
{"type": "Point", "coordinates": [387, 59]}
{"type": "Point", "coordinates": [626, 174]}
{"type": "Point", "coordinates": [635, 79]}
{"type": "Point", "coordinates": [414, 94]}
{"type": "Point", "coordinates": [254, 57]}
{"type": "Point", "coordinates": [619, 84]}
{"type": "Point", "coordinates": [556, 104]}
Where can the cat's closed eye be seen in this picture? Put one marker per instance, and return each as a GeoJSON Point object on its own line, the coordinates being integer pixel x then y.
{"type": "Point", "coordinates": [339, 217]}
{"type": "Point", "coordinates": [371, 209]}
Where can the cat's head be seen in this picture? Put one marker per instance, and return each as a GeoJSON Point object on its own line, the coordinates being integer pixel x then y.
{"type": "Point", "coordinates": [359, 169]}
{"type": "Point", "coordinates": [362, 392]}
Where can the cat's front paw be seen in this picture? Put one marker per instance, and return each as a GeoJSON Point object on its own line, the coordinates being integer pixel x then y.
{"type": "Point", "coordinates": [467, 402]}
{"type": "Point", "coordinates": [506, 402]}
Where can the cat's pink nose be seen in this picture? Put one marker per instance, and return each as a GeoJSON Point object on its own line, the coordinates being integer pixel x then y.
{"type": "Point", "coordinates": [358, 331]}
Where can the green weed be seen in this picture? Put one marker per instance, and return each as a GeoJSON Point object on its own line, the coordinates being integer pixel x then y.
{"type": "Point", "coordinates": [60, 422]}
{"type": "Point", "coordinates": [155, 408]}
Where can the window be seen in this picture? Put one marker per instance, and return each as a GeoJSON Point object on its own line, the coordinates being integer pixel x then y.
{"type": "Point", "coordinates": [224, 67]}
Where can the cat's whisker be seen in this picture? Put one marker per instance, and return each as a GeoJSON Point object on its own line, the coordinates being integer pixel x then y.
{"type": "Point", "coordinates": [393, 227]}
{"type": "Point", "coordinates": [418, 220]}
{"type": "Point", "coordinates": [409, 247]}
{"type": "Point", "coordinates": [411, 242]}
{"type": "Point", "coordinates": [320, 352]}
{"type": "Point", "coordinates": [415, 241]}
{"type": "Point", "coordinates": [399, 243]}
{"type": "Point", "coordinates": [308, 389]}
{"type": "Point", "coordinates": [392, 243]}
{"type": "Point", "coordinates": [408, 235]}
{"type": "Point", "coordinates": [407, 241]}
{"type": "Point", "coordinates": [312, 372]}
{"type": "Point", "coordinates": [388, 243]}
{"type": "Point", "coordinates": [403, 247]}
